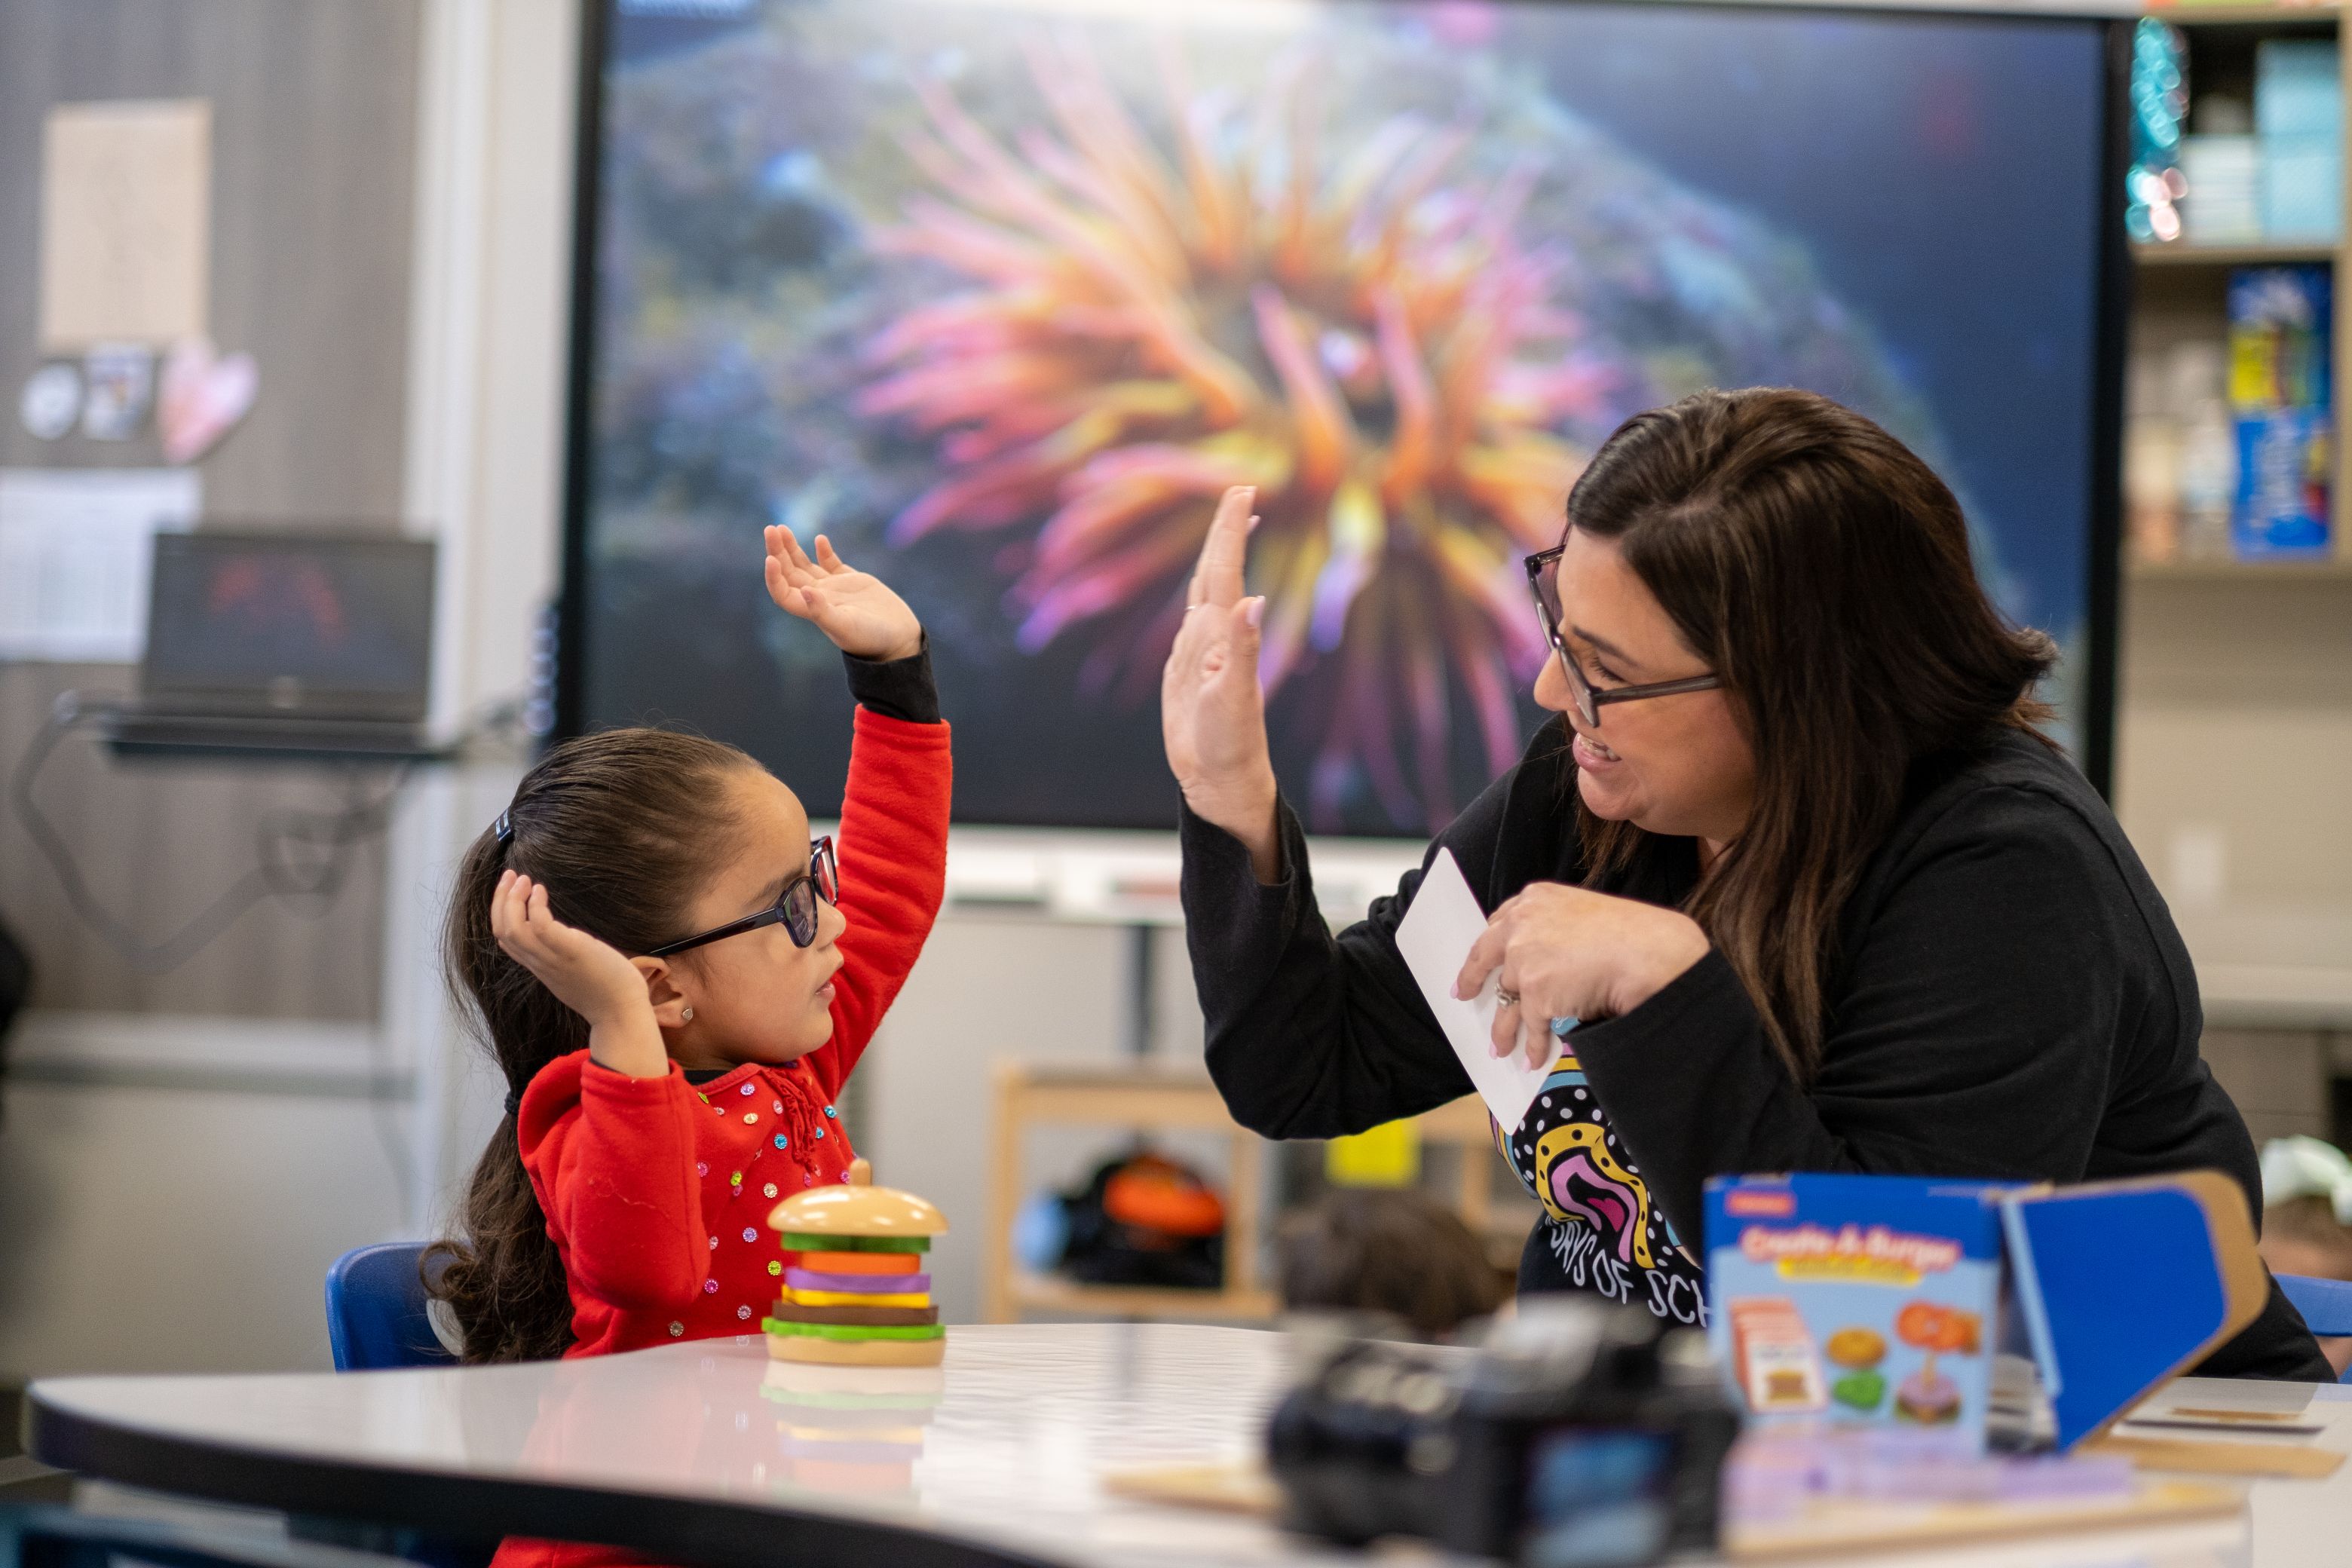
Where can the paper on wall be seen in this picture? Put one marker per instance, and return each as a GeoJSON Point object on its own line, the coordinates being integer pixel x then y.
{"type": "Point", "coordinates": [1434, 938]}
{"type": "Point", "coordinates": [126, 222]}
{"type": "Point", "coordinates": [76, 546]}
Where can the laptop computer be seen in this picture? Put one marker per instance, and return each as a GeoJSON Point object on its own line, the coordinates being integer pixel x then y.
{"type": "Point", "coordinates": [306, 644]}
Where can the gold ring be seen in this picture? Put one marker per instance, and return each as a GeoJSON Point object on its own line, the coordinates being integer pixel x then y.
{"type": "Point", "coordinates": [1506, 998]}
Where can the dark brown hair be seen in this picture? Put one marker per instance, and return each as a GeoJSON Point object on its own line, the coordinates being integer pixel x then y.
{"type": "Point", "coordinates": [1822, 571]}
{"type": "Point", "coordinates": [1383, 1250]}
{"type": "Point", "coordinates": [623, 828]}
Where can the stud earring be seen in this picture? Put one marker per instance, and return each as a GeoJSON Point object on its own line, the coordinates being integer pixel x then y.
{"type": "Point", "coordinates": [687, 1016]}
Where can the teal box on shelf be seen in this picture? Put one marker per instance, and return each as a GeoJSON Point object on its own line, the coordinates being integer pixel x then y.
{"type": "Point", "coordinates": [2298, 87]}
{"type": "Point", "coordinates": [2299, 118]}
{"type": "Point", "coordinates": [2302, 192]}
{"type": "Point", "coordinates": [1879, 1301]}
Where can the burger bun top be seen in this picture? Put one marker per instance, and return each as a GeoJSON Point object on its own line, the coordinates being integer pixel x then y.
{"type": "Point", "coordinates": [856, 1211]}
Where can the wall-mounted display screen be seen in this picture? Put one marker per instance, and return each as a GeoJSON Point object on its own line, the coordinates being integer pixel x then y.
{"type": "Point", "coordinates": [1001, 294]}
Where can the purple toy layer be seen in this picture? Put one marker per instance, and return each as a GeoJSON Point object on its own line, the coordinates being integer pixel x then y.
{"type": "Point", "coordinates": [859, 1284]}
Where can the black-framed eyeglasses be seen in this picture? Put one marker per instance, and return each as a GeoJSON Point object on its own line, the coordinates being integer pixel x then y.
{"type": "Point", "coordinates": [795, 909]}
{"type": "Point", "coordinates": [1543, 582]}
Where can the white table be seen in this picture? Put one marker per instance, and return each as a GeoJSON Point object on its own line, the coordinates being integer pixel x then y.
{"type": "Point", "coordinates": [681, 1452]}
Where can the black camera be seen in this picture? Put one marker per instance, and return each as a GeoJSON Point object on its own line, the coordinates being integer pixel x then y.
{"type": "Point", "coordinates": [1578, 1435]}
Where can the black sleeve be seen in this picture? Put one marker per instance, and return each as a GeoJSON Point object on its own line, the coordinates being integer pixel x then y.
{"type": "Point", "coordinates": [897, 688]}
{"type": "Point", "coordinates": [1312, 1035]}
{"type": "Point", "coordinates": [1970, 1034]}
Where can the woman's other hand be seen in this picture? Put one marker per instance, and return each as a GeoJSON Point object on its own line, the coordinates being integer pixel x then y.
{"type": "Point", "coordinates": [1566, 952]}
{"type": "Point", "coordinates": [856, 609]}
{"type": "Point", "coordinates": [1212, 712]}
{"type": "Point", "coordinates": [588, 976]}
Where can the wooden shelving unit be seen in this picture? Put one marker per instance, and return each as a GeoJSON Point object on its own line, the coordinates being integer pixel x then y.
{"type": "Point", "coordinates": [2186, 252]}
{"type": "Point", "coordinates": [2271, 18]}
{"type": "Point", "coordinates": [1165, 1099]}
{"type": "Point", "coordinates": [2335, 572]}
{"type": "Point", "coordinates": [2175, 275]}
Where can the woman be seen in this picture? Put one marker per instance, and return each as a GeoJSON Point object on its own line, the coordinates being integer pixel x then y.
{"type": "Point", "coordinates": [1796, 852]}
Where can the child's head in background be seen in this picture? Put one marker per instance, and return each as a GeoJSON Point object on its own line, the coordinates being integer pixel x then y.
{"type": "Point", "coordinates": [642, 838]}
{"type": "Point", "coordinates": [1386, 1250]}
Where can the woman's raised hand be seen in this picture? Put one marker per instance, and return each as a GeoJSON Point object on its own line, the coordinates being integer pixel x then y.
{"type": "Point", "coordinates": [588, 976]}
{"type": "Point", "coordinates": [856, 609]}
{"type": "Point", "coordinates": [1212, 712]}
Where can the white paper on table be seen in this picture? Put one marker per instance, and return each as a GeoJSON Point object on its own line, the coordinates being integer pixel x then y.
{"type": "Point", "coordinates": [76, 546]}
{"type": "Point", "coordinates": [1435, 936]}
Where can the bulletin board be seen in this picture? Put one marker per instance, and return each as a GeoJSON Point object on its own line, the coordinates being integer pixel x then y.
{"type": "Point", "coordinates": [313, 133]}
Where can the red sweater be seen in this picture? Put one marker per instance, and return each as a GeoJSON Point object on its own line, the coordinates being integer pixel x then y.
{"type": "Point", "coordinates": [656, 1192]}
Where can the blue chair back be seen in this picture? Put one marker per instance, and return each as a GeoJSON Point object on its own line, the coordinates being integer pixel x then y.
{"type": "Point", "coordinates": [375, 1310]}
{"type": "Point", "coordinates": [2326, 1305]}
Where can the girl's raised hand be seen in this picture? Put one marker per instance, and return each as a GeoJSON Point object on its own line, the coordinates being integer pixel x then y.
{"type": "Point", "coordinates": [588, 976]}
{"type": "Point", "coordinates": [856, 609]}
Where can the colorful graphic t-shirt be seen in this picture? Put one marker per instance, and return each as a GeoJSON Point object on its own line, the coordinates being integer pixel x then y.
{"type": "Point", "coordinates": [1600, 1231]}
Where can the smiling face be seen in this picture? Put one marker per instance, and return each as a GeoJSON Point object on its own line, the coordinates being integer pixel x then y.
{"type": "Point", "coordinates": [1678, 765]}
{"type": "Point", "coordinates": [757, 996]}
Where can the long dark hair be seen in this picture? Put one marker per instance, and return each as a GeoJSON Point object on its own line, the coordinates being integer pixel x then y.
{"type": "Point", "coordinates": [621, 827]}
{"type": "Point", "coordinates": [1823, 569]}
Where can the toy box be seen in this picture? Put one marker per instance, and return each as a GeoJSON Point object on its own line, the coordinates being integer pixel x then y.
{"type": "Point", "coordinates": [1854, 1302]}
{"type": "Point", "coordinates": [2284, 463]}
{"type": "Point", "coordinates": [2279, 394]}
{"type": "Point", "coordinates": [1857, 1301]}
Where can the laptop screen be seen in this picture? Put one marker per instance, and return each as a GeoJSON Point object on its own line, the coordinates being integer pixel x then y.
{"type": "Point", "coordinates": [292, 624]}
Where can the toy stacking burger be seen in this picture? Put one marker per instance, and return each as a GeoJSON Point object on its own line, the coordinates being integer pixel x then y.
{"type": "Point", "coordinates": [857, 1294]}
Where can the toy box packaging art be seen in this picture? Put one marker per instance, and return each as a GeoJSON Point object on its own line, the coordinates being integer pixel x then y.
{"type": "Point", "coordinates": [2279, 332]}
{"type": "Point", "coordinates": [1850, 1304]}
{"type": "Point", "coordinates": [1857, 1301]}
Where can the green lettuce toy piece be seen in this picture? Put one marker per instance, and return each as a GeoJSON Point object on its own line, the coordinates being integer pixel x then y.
{"type": "Point", "coordinates": [801, 1241]}
{"type": "Point", "coordinates": [1859, 1390]}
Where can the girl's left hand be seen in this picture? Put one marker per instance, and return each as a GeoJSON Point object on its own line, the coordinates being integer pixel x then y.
{"type": "Point", "coordinates": [1571, 954]}
{"type": "Point", "coordinates": [856, 609]}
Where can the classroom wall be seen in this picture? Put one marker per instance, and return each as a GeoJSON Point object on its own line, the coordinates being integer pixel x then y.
{"type": "Point", "coordinates": [314, 116]}
{"type": "Point", "coordinates": [179, 1227]}
{"type": "Point", "coordinates": [140, 1146]}
{"type": "Point", "coordinates": [2235, 755]}
{"type": "Point", "coordinates": [2235, 779]}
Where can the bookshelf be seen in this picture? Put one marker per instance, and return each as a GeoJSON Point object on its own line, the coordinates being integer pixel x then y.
{"type": "Point", "coordinates": [2335, 572]}
{"type": "Point", "coordinates": [2186, 253]}
{"type": "Point", "coordinates": [1151, 1099]}
{"type": "Point", "coordinates": [2181, 285]}
{"type": "Point", "coordinates": [2267, 18]}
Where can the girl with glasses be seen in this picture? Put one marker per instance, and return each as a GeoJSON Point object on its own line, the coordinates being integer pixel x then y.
{"type": "Point", "coordinates": [674, 983]}
{"type": "Point", "coordinates": [1794, 882]}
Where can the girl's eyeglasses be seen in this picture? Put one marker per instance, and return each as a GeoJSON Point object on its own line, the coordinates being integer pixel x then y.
{"type": "Point", "coordinates": [1543, 581]}
{"type": "Point", "coordinates": [795, 909]}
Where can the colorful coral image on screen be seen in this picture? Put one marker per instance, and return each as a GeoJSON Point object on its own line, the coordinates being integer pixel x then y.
{"type": "Point", "coordinates": [1002, 296]}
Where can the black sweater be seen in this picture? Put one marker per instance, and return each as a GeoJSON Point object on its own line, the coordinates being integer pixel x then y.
{"type": "Point", "coordinates": [2009, 1001]}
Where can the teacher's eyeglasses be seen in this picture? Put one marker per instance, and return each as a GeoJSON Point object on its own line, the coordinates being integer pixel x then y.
{"type": "Point", "coordinates": [1543, 582]}
{"type": "Point", "coordinates": [795, 909]}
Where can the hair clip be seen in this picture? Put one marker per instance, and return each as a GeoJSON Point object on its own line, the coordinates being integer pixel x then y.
{"type": "Point", "coordinates": [504, 830]}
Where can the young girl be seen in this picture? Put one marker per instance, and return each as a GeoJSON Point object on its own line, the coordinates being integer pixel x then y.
{"type": "Point", "coordinates": [676, 983]}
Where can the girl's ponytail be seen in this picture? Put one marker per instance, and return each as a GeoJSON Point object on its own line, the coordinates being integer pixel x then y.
{"type": "Point", "coordinates": [621, 827]}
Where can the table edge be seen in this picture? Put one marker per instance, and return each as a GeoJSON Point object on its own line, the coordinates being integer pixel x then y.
{"type": "Point", "coordinates": [721, 1532]}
